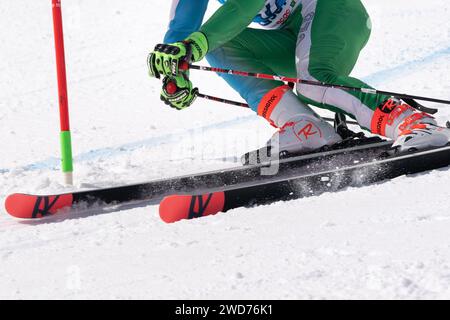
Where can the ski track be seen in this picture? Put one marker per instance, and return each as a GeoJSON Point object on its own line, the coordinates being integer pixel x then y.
{"type": "Point", "coordinates": [385, 241]}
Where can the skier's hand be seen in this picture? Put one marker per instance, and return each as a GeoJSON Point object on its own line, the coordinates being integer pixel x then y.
{"type": "Point", "coordinates": [166, 58]}
{"type": "Point", "coordinates": [177, 92]}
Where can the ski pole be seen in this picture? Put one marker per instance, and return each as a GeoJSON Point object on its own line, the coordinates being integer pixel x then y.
{"type": "Point", "coordinates": [244, 105]}
{"type": "Point", "coordinates": [321, 84]}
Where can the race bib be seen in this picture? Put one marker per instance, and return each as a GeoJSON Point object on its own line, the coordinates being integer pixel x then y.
{"type": "Point", "coordinates": [275, 12]}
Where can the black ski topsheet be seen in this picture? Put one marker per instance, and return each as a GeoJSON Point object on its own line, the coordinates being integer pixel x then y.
{"type": "Point", "coordinates": [326, 177]}
{"type": "Point", "coordinates": [28, 206]}
{"type": "Point", "coordinates": [329, 179]}
{"type": "Point", "coordinates": [157, 189]}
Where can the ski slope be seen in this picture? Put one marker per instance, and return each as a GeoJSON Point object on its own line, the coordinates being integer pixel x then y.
{"type": "Point", "coordinates": [389, 240]}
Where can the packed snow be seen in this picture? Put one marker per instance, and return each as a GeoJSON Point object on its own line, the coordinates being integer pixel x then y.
{"type": "Point", "coordinates": [390, 240]}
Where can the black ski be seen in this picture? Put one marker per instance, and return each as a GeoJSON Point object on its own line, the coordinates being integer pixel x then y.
{"type": "Point", "coordinates": [322, 176]}
{"type": "Point", "coordinates": [30, 206]}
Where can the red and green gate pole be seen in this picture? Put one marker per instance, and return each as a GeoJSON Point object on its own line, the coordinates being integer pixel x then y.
{"type": "Point", "coordinates": [65, 137]}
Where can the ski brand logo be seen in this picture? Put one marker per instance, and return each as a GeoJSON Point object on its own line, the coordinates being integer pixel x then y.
{"type": "Point", "coordinates": [306, 131]}
{"type": "Point", "coordinates": [270, 101]}
{"type": "Point", "coordinates": [380, 125]}
{"type": "Point", "coordinates": [46, 207]}
{"type": "Point", "coordinates": [383, 115]}
{"type": "Point", "coordinates": [198, 206]}
{"type": "Point", "coordinates": [268, 104]}
{"type": "Point", "coordinates": [389, 106]}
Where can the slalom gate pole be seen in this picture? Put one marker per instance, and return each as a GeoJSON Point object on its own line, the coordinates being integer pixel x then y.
{"type": "Point", "coordinates": [65, 136]}
{"type": "Point", "coordinates": [321, 84]}
{"type": "Point", "coordinates": [244, 105]}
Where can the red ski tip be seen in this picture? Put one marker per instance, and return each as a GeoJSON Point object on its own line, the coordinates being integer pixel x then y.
{"type": "Point", "coordinates": [178, 207]}
{"type": "Point", "coordinates": [26, 206]}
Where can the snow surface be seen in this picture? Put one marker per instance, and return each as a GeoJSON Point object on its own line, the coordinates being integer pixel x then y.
{"type": "Point", "coordinates": [389, 240]}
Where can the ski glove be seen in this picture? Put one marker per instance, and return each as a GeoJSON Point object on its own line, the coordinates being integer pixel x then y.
{"type": "Point", "coordinates": [177, 92]}
{"type": "Point", "coordinates": [166, 58]}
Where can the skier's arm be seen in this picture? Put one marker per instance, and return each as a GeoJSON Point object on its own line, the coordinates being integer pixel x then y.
{"type": "Point", "coordinates": [186, 16]}
{"type": "Point", "coordinates": [230, 20]}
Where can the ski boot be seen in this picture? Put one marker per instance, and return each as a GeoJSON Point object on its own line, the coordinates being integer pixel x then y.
{"type": "Point", "coordinates": [303, 134]}
{"type": "Point", "coordinates": [422, 136]}
{"type": "Point", "coordinates": [410, 129]}
{"type": "Point", "coordinates": [301, 130]}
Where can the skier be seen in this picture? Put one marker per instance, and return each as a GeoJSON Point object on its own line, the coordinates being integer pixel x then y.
{"type": "Point", "coordinates": [316, 40]}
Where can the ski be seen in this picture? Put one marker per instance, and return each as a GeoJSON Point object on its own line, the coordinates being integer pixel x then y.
{"type": "Point", "coordinates": [32, 206]}
{"type": "Point", "coordinates": [305, 182]}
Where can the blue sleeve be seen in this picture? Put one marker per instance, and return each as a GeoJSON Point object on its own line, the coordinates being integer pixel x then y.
{"type": "Point", "coordinates": [186, 17]}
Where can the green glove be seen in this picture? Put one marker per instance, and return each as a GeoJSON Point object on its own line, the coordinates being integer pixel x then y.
{"type": "Point", "coordinates": [166, 58]}
{"type": "Point", "coordinates": [177, 92]}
